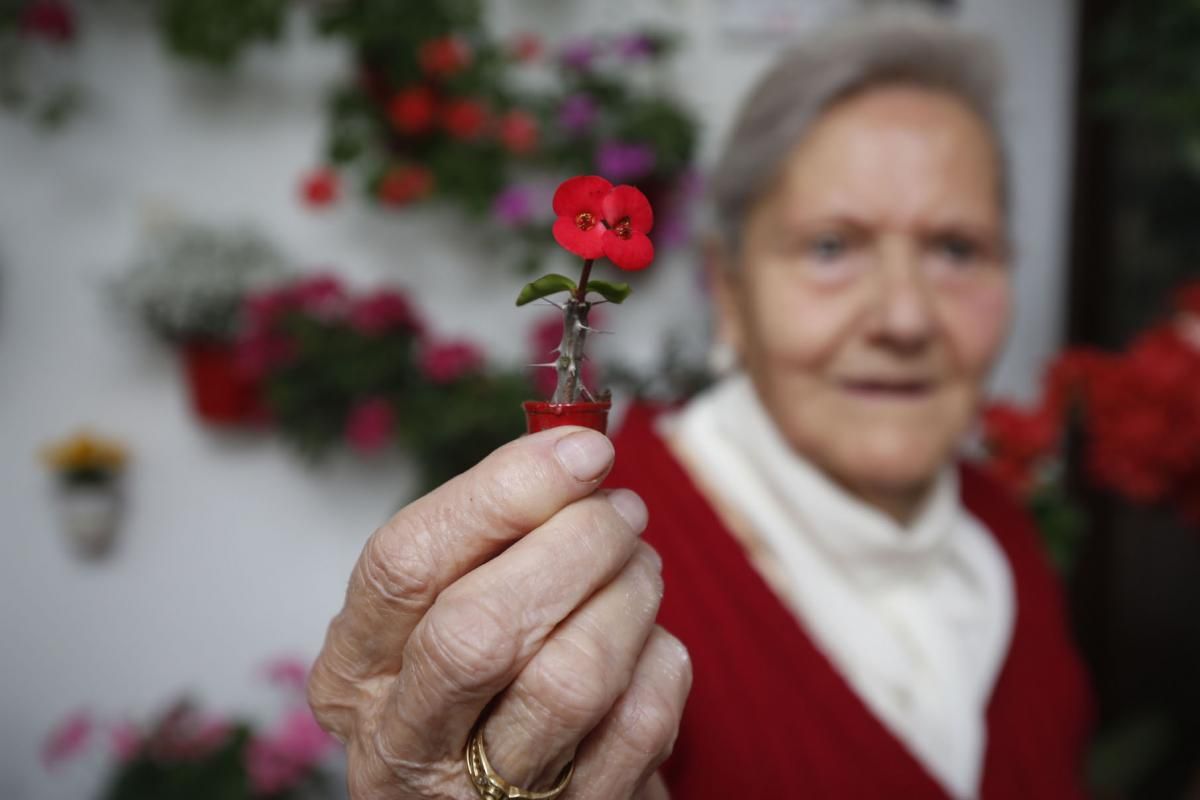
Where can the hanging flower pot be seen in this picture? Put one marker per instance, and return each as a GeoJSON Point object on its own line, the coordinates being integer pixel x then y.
{"type": "Point", "coordinates": [89, 516]}
{"type": "Point", "coordinates": [88, 497]}
{"type": "Point", "coordinates": [221, 392]}
{"type": "Point", "coordinates": [595, 219]}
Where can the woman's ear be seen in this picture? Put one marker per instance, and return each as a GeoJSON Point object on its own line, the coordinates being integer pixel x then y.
{"type": "Point", "coordinates": [724, 288]}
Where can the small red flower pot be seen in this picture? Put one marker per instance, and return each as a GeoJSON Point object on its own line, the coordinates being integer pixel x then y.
{"type": "Point", "coordinates": [221, 393]}
{"type": "Point", "coordinates": [541, 415]}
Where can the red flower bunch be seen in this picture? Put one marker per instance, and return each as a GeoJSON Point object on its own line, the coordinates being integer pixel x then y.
{"type": "Point", "coordinates": [1139, 412]}
{"type": "Point", "coordinates": [597, 219]}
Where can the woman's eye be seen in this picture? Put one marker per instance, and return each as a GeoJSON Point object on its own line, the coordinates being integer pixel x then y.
{"type": "Point", "coordinates": [827, 248]}
{"type": "Point", "coordinates": [957, 249]}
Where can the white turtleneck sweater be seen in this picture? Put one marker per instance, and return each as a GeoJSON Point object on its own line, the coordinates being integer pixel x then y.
{"type": "Point", "coordinates": [916, 618]}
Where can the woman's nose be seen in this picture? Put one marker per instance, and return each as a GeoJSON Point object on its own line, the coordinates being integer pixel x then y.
{"type": "Point", "coordinates": [903, 315]}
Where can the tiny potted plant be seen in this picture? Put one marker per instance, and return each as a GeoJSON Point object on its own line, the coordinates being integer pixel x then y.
{"type": "Point", "coordinates": [88, 470]}
{"type": "Point", "coordinates": [594, 220]}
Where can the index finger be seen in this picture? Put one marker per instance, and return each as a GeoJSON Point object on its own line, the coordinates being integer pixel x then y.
{"type": "Point", "coordinates": [438, 538]}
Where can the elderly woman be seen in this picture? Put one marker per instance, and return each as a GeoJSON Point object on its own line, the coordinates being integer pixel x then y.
{"type": "Point", "coordinates": [862, 616]}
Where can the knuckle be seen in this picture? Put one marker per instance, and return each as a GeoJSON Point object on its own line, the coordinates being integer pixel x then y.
{"type": "Point", "coordinates": [398, 567]}
{"type": "Point", "coordinates": [467, 642]}
{"type": "Point", "coordinates": [572, 690]}
{"type": "Point", "coordinates": [648, 724]}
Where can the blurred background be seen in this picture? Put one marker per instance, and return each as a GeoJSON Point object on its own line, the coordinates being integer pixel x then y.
{"type": "Point", "coordinates": [257, 268]}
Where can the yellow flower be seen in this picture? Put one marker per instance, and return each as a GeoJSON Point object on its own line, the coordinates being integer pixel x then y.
{"type": "Point", "coordinates": [85, 451]}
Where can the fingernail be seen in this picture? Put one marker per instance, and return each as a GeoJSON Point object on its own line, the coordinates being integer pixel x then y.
{"type": "Point", "coordinates": [585, 454]}
{"type": "Point", "coordinates": [630, 507]}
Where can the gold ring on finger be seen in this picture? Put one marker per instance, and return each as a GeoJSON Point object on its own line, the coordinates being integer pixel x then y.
{"type": "Point", "coordinates": [491, 786]}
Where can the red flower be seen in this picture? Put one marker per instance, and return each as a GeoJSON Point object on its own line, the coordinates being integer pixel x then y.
{"type": "Point", "coordinates": [446, 362]}
{"type": "Point", "coordinates": [370, 424]}
{"type": "Point", "coordinates": [465, 119]}
{"type": "Point", "coordinates": [519, 132]}
{"type": "Point", "coordinates": [319, 188]}
{"type": "Point", "coordinates": [1018, 441]}
{"type": "Point", "coordinates": [413, 110]}
{"type": "Point", "coordinates": [383, 310]}
{"type": "Point", "coordinates": [525, 47]}
{"type": "Point", "coordinates": [441, 58]}
{"type": "Point", "coordinates": [401, 185]}
{"type": "Point", "coordinates": [49, 19]}
{"type": "Point", "coordinates": [595, 219]}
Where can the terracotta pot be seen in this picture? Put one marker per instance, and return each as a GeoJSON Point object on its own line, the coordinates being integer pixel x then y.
{"type": "Point", "coordinates": [541, 415]}
{"type": "Point", "coordinates": [221, 393]}
{"type": "Point", "coordinates": [89, 517]}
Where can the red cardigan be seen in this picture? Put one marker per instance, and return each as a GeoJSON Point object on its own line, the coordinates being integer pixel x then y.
{"type": "Point", "coordinates": [770, 717]}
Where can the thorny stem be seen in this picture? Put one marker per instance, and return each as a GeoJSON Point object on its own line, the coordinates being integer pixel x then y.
{"type": "Point", "coordinates": [570, 388]}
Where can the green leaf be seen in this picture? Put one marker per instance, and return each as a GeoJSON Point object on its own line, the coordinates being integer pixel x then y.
{"type": "Point", "coordinates": [612, 292]}
{"type": "Point", "coordinates": [544, 286]}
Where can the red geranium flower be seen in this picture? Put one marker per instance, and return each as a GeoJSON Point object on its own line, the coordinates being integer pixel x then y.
{"type": "Point", "coordinates": [596, 219]}
{"type": "Point", "coordinates": [413, 110]}
{"type": "Point", "coordinates": [518, 132]}
{"type": "Point", "coordinates": [525, 46]}
{"type": "Point", "coordinates": [320, 188]}
{"type": "Point", "coordinates": [403, 184]}
{"type": "Point", "coordinates": [446, 362]}
{"type": "Point", "coordinates": [49, 19]}
{"type": "Point", "coordinates": [441, 58]}
{"type": "Point", "coordinates": [465, 119]}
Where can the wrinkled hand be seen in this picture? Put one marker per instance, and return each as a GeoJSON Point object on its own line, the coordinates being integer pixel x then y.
{"type": "Point", "coordinates": [520, 589]}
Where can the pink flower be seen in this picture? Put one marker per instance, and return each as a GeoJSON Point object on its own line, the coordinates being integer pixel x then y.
{"type": "Point", "coordinates": [370, 424]}
{"type": "Point", "coordinates": [281, 759]}
{"type": "Point", "coordinates": [383, 310]}
{"type": "Point", "coordinates": [322, 296]}
{"type": "Point", "coordinates": [50, 19]}
{"type": "Point", "coordinates": [68, 739]}
{"type": "Point", "coordinates": [446, 362]}
{"type": "Point", "coordinates": [125, 739]}
{"type": "Point", "coordinates": [288, 673]}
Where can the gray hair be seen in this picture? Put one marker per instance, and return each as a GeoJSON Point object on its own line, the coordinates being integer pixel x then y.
{"type": "Point", "coordinates": [829, 66]}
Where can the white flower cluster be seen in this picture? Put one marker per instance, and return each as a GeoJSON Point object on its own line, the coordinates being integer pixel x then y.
{"type": "Point", "coordinates": [190, 281]}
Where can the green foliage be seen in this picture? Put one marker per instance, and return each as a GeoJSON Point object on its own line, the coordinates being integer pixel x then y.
{"type": "Point", "coordinates": [1061, 523]}
{"type": "Point", "coordinates": [544, 287]}
{"type": "Point", "coordinates": [612, 292]}
{"type": "Point", "coordinates": [221, 775]}
{"type": "Point", "coordinates": [334, 367]}
{"type": "Point", "coordinates": [452, 427]}
{"type": "Point", "coordinates": [1146, 65]}
{"type": "Point", "coordinates": [217, 32]}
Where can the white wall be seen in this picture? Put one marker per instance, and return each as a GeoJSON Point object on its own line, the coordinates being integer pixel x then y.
{"type": "Point", "coordinates": [233, 551]}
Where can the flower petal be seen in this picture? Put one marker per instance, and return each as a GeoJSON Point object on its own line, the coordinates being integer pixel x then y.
{"type": "Point", "coordinates": [628, 201]}
{"type": "Point", "coordinates": [633, 253]}
{"type": "Point", "coordinates": [581, 193]}
{"type": "Point", "coordinates": [585, 244]}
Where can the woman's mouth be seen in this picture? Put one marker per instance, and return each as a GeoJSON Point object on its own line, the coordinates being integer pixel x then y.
{"type": "Point", "coordinates": [888, 389]}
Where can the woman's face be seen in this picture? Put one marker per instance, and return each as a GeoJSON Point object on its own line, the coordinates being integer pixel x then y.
{"type": "Point", "coordinates": [872, 290]}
